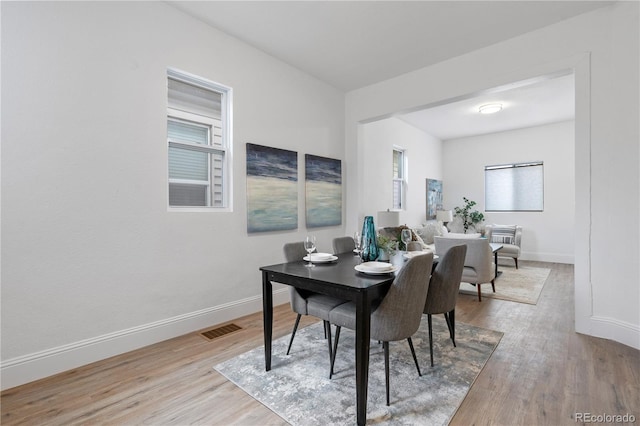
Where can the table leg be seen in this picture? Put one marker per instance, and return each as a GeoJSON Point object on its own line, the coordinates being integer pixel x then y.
{"type": "Point", "coordinates": [363, 324]}
{"type": "Point", "coordinates": [267, 317]}
{"type": "Point", "coordinates": [496, 262]}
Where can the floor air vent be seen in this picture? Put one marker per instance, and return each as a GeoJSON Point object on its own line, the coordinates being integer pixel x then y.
{"type": "Point", "coordinates": [220, 331]}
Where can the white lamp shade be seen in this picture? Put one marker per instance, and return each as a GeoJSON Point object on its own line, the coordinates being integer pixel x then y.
{"type": "Point", "coordinates": [444, 215]}
{"type": "Point", "coordinates": [388, 219]}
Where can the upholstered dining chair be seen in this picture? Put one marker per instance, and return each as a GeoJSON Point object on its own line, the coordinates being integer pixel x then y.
{"type": "Point", "coordinates": [443, 291]}
{"type": "Point", "coordinates": [307, 302]}
{"type": "Point", "coordinates": [343, 245]}
{"type": "Point", "coordinates": [398, 315]}
{"type": "Point", "coordinates": [414, 246]}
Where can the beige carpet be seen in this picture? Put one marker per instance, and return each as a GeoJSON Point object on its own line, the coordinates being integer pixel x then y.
{"type": "Point", "coordinates": [517, 285]}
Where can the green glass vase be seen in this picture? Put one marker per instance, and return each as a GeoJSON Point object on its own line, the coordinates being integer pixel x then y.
{"type": "Point", "coordinates": [369, 247]}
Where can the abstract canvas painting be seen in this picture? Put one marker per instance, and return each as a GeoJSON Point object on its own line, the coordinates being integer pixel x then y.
{"type": "Point", "coordinates": [323, 191]}
{"type": "Point", "coordinates": [434, 198]}
{"type": "Point", "coordinates": [272, 189]}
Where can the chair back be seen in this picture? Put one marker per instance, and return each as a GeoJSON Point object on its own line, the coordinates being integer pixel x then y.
{"type": "Point", "coordinates": [445, 282]}
{"type": "Point", "coordinates": [400, 312]}
{"type": "Point", "coordinates": [294, 251]}
{"type": "Point", "coordinates": [498, 230]}
{"type": "Point", "coordinates": [343, 245]}
{"type": "Point", "coordinates": [478, 249]}
{"type": "Point", "coordinates": [414, 246]}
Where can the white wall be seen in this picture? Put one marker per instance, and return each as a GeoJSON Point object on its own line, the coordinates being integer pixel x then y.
{"type": "Point", "coordinates": [424, 158]}
{"type": "Point", "coordinates": [602, 47]}
{"type": "Point", "coordinates": [93, 264]}
{"type": "Point", "coordinates": [546, 236]}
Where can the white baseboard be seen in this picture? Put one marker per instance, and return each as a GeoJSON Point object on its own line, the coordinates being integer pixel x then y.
{"type": "Point", "coordinates": [612, 329]}
{"type": "Point", "coordinates": [24, 369]}
{"type": "Point", "coordinates": [548, 257]}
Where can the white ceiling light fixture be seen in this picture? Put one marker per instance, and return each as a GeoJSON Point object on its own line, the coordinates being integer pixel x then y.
{"type": "Point", "coordinates": [490, 108]}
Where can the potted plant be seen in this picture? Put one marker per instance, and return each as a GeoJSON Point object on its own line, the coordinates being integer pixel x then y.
{"type": "Point", "coordinates": [468, 217]}
{"type": "Point", "coordinates": [387, 246]}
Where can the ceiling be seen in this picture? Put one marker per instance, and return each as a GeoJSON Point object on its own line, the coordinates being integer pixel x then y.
{"type": "Point", "coordinates": [353, 44]}
{"type": "Point", "coordinates": [541, 101]}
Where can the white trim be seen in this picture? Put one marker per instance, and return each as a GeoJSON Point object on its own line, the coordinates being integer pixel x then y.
{"type": "Point", "coordinates": [38, 365]}
{"type": "Point", "coordinates": [544, 257]}
{"type": "Point", "coordinates": [613, 329]}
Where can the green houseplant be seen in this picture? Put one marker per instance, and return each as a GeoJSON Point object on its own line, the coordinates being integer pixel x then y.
{"type": "Point", "coordinates": [387, 246]}
{"type": "Point", "coordinates": [468, 217]}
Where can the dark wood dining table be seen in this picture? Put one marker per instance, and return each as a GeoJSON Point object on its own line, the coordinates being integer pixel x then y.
{"type": "Point", "coordinates": [338, 279]}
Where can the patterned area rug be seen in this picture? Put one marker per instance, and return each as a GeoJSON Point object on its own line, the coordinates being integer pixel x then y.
{"type": "Point", "coordinates": [298, 388]}
{"type": "Point", "coordinates": [522, 285]}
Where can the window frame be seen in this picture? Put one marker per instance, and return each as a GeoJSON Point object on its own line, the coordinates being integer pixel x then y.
{"type": "Point", "coordinates": [226, 141]}
{"type": "Point", "coordinates": [401, 180]}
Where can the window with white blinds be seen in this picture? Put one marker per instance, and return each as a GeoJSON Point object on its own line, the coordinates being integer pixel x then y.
{"type": "Point", "coordinates": [398, 179]}
{"type": "Point", "coordinates": [514, 187]}
{"type": "Point", "coordinates": [198, 136]}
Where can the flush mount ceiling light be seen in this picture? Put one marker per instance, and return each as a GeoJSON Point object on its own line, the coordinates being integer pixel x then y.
{"type": "Point", "coordinates": [490, 108]}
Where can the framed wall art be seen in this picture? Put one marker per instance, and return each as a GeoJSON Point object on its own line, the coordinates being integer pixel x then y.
{"type": "Point", "coordinates": [323, 191]}
{"type": "Point", "coordinates": [272, 189]}
{"type": "Point", "coordinates": [434, 198]}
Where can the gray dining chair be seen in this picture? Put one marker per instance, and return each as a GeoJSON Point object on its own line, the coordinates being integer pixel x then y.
{"type": "Point", "coordinates": [443, 291]}
{"type": "Point", "coordinates": [414, 246]}
{"type": "Point", "coordinates": [397, 316]}
{"type": "Point", "coordinates": [307, 302]}
{"type": "Point", "coordinates": [343, 245]}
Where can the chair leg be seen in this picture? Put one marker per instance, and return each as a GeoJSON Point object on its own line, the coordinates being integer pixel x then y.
{"type": "Point", "coordinates": [479, 293]}
{"type": "Point", "coordinates": [335, 349]}
{"type": "Point", "coordinates": [293, 333]}
{"type": "Point", "coordinates": [516, 259]}
{"type": "Point", "coordinates": [385, 345]}
{"type": "Point", "coordinates": [451, 323]}
{"type": "Point", "coordinates": [430, 338]}
{"type": "Point", "coordinates": [493, 285]}
{"type": "Point", "coordinates": [413, 352]}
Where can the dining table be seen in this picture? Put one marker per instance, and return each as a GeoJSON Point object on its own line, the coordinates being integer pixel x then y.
{"type": "Point", "coordinates": [338, 278]}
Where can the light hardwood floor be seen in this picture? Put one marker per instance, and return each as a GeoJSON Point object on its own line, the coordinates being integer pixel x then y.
{"type": "Point", "coordinates": [541, 373]}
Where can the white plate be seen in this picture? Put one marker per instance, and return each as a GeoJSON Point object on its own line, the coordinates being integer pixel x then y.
{"type": "Point", "coordinates": [378, 266]}
{"type": "Point", "coordinates": [413, 254]}
{"type": "Point", "coordinates": [331, 258]}
{"type": "Point", "coordinates": [365, 270]}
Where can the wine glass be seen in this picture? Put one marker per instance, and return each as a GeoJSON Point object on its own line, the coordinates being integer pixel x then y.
{"type": "Point", "coordinates": [405, 236]}
{"type": "Point", "coordinates": [309, 246]}
{"type": "Point", "coordinates": [356, 240]}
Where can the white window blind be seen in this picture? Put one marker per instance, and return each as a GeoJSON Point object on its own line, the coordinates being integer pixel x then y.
{"type": "Point", "coordinates": [514, 187]}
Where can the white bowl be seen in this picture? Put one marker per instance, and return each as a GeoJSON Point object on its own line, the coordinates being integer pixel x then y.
{"type": "Point", "coordinates": [320, 256]}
